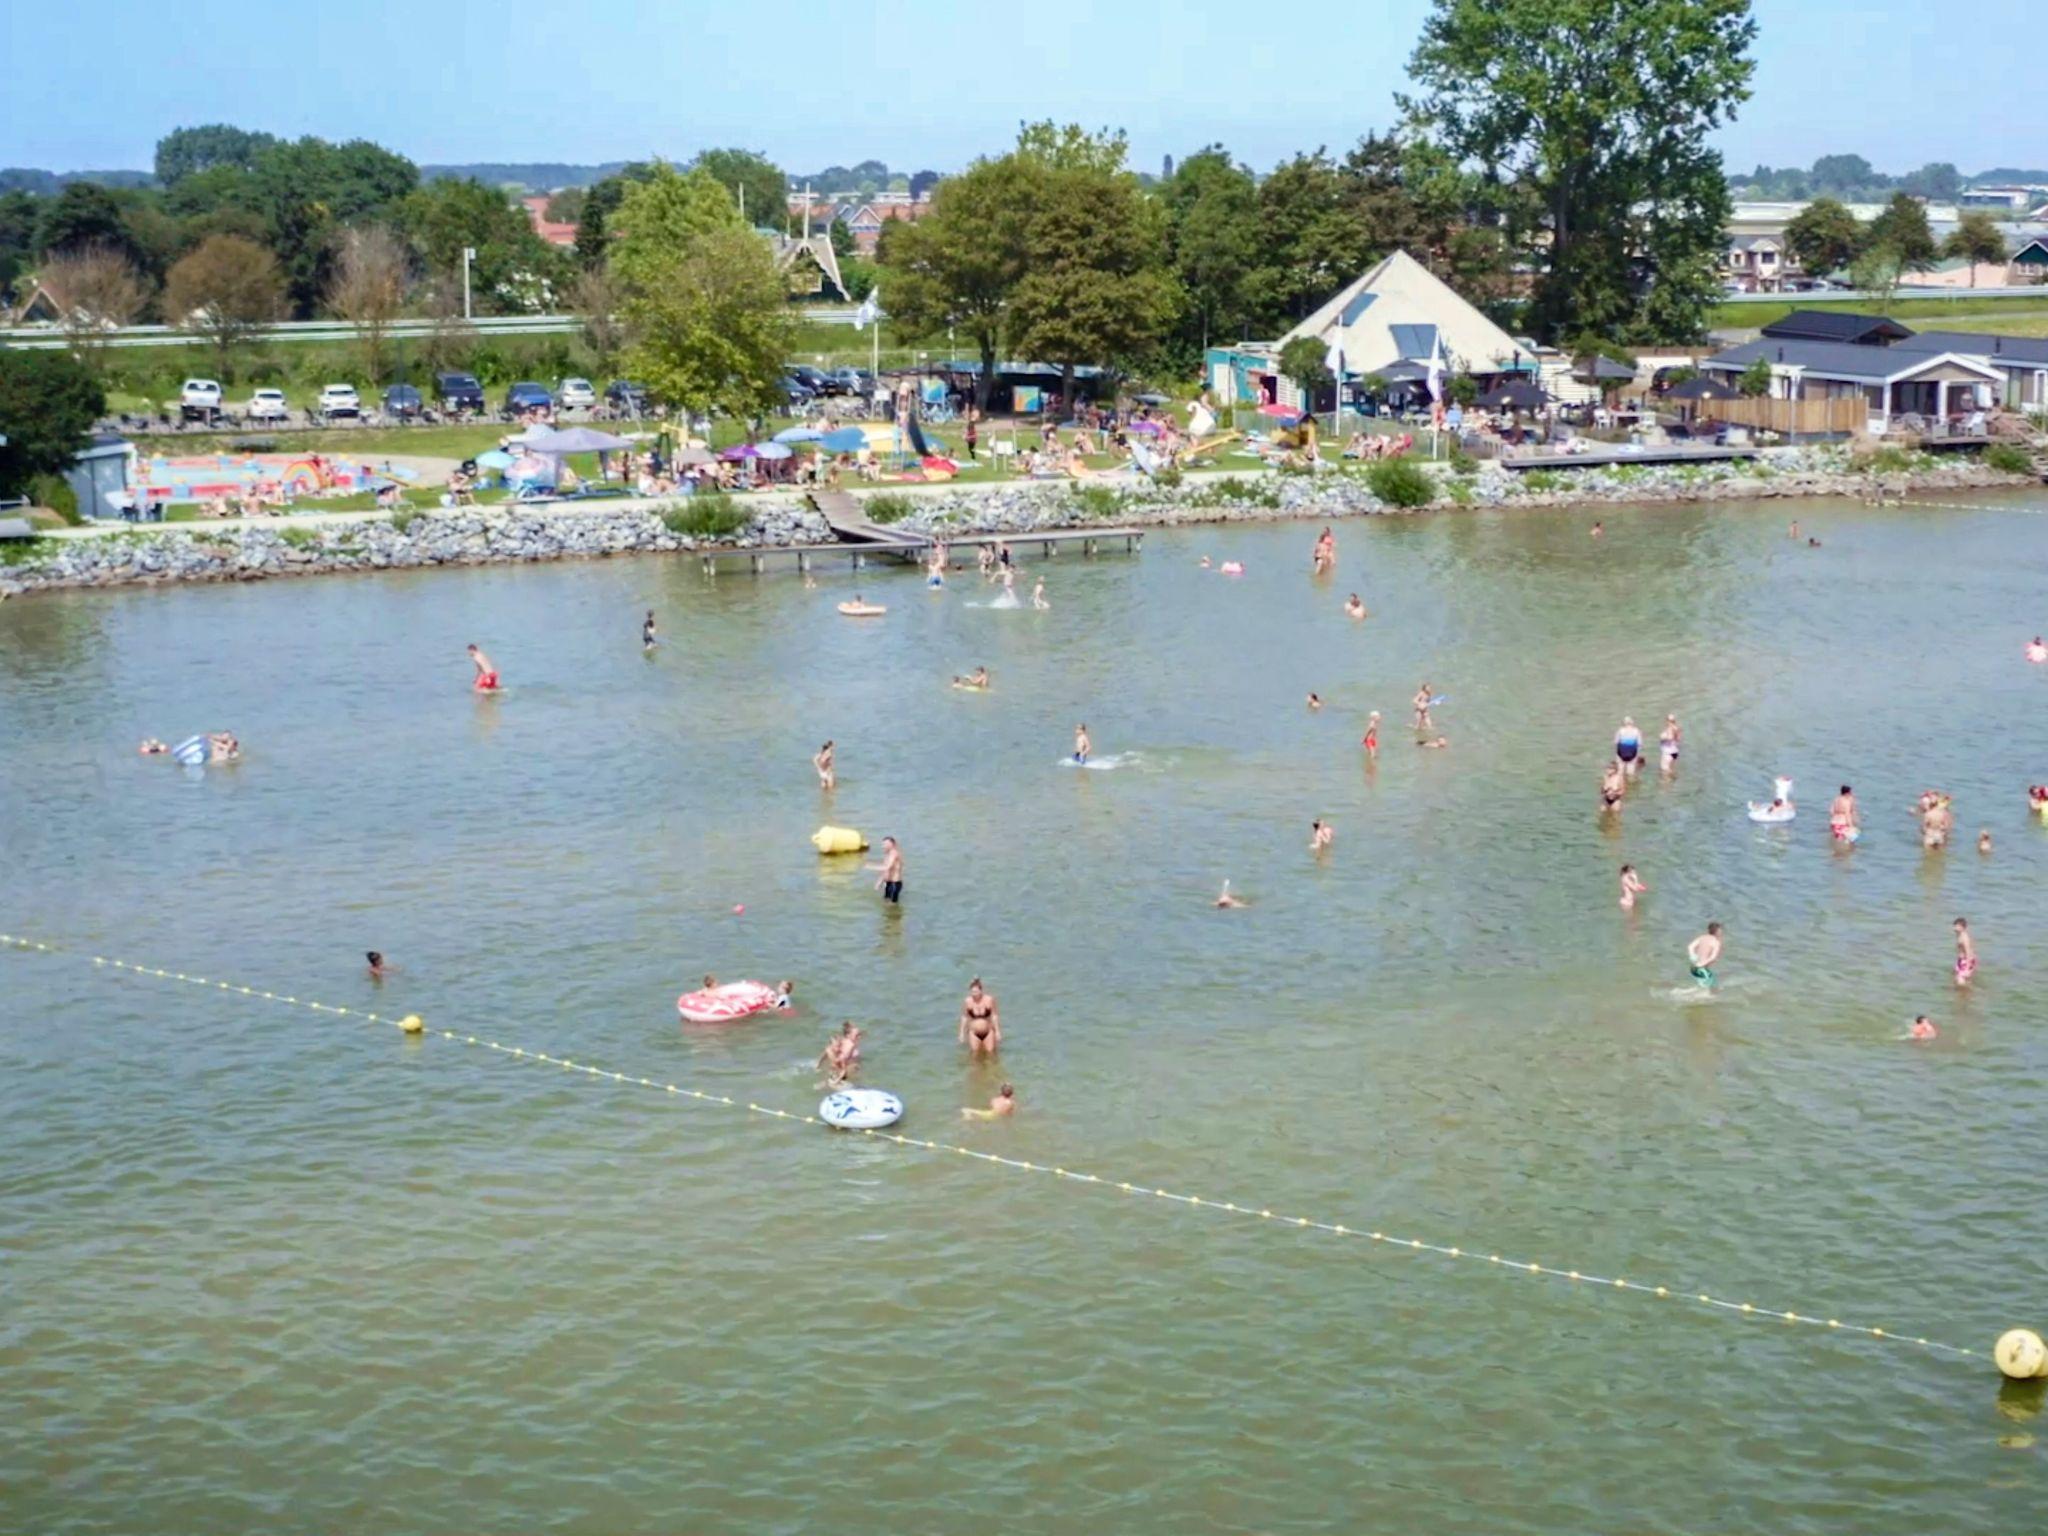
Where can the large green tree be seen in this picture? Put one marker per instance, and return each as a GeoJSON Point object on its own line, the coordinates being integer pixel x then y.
{"type": "Point", "coordinates": [1976, 239]}
{"type": "Point", "coordinates": [186, 151]}
{"type": "Point", "coordinates": [84, 214]}
{"type": "Point", "coordinates": [1903, 230]}
{"type": "Point", "coordinates": [600, 202]}
{"type": "Point", "coordinates": [1096, 289]}
{"type": "Point", "coordinates": [48, 402]}
{"type": "Point", "coordinates": [224, 292]}
{"type": "Point", "coordinates": [1824, 236]}
{"type": "Point", "coordinates": [309, 190]}
{"type": "Point", "coordinates": [1598, 111]}
{"type": "Point", "coordinates": [445, 217]}
{"type": "Point", "coordinates": [755, 183]}
{"type": "Point", "coordinates": [1212, 206]}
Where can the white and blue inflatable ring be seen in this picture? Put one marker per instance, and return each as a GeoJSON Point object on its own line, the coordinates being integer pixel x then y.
{"type": "Point", "coordinates": [860, 1109]}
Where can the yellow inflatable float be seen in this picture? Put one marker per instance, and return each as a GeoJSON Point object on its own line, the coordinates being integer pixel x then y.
{"type": "Point", "coordinates": [838, 840]}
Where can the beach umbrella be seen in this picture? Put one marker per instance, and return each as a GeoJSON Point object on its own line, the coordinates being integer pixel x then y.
{"type": "Point", "coordinates": [1145, 428]}
{"type": "Point", "coordinates": [739, 451]}
{"type": "Point", "coordinates": [772, 450]}
{"type": "Point", "coordinates": [1517, 396]}
{"type": "Point", "coordinates": [572, 440]}
{"type": "Point", "coordinates": [845, 440]}
{"type": "Point", "coordinates": [1701, 387]}
{"type": "Point", "coordinates": [497, 458]}
{"type": "Point", "coordinates": [1602, 370]}
{"type": "Point", "coordinates": [693, 455]}
{"type": "Point", "coordinates": [1280, 412]}
{"type": "Point", "coordinates": [799, 435]}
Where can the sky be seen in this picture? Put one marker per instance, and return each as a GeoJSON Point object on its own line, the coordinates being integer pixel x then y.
{"type": "Point", "coordinates": [92, 84]}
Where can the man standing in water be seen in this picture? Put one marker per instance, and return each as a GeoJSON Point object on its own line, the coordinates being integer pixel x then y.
{"type": "Point", "coordinates": [486, 674]}
{"type": "Point", "coordinates": [981, 1025]}
{"type": "Point", "coordinates": [1082, 745]}
{"type": "Point", "coordinates": [1842, 821]}
{"type": "Point", "coordinates": [1702, 952]}
{"type": "Point", "coordinates": [1320, 835]}
{"type": "Point", "coordinates": [891, 867]}
{"type": "Point", "coordinates": [1966, 953]}
{"type": "Point", "coordinates": [826, 763]}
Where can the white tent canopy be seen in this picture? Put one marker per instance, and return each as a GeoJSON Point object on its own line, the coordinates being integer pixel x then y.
{"type": "Point", "coordinates": [1396, 313]}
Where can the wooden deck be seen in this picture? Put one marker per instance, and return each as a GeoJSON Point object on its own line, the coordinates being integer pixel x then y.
{"type": "Point", "coordinates": [1676, 453]}
{"type": "Point", "coordinates": [863, 542]}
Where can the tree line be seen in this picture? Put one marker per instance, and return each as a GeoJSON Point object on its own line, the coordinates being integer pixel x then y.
{"type": "Point", "coordinates": [1828, 239]}
{"type": "Point", "coordinates": [1853, 179]}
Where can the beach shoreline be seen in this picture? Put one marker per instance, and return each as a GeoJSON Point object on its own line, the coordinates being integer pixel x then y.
{"type": "Point", "coordinates": [315, 545]}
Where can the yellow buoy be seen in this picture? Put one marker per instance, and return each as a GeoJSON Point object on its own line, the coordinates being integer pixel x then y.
{"type": "Point", "coordinates": [837, 840]}
{"type": "Point", "coordinates": [412, 1024]}
{"type": "Point", "coordinates": [2021, 1354]}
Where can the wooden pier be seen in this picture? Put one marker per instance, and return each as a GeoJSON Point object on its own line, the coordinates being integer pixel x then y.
{"type": "Point", "coordinates": [863, 542]}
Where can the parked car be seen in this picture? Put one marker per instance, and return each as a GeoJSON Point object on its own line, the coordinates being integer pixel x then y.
{"type": "Point", "coordinates": [854, 381]}
{"type": "Point", "coordinates": [816, 380]}
{"type": "Point", "coordinates": [576, 395]}
{"type": "Point", "coordinates": [337, 400]}
{"type": "Point", "coordinates": [626, 397]}
{"type": "Point", "coordinates": [267, 405]}
{"type": "Point", "coordinates": [794, 390]}
{"type": "Point", "coordinates": [459, 392]}
{"type": "Point", "coordinates": [402, 403]}
{"type": "Point", "coordinates": [199, 399]}
{"type": "Point", "coordinates": [528, 396]}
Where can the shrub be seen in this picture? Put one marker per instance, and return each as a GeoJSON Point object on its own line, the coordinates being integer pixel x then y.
{"type": "Point", "coordinates": [1401, 483]}
{"type": "Point", "coordinates": [1889, 460]}
{"type": "Point", "coordinates": [1462, 463]}
{"type": "Point", "coordinates": [404, 517]}
{"type": "Point", "coordinates": [1097, 501]}
{"type": "Point", "coordinates": [888, 507]}
{"type": "Point", "coordinates": [300, 538]}
{"type": "Point", "coordinates": [1461, 492]}
{"type": "Point", "coordinates": [54, 492]}
{"type": "Point", "coordinates": [1169, 478]}
{"type": "Point", "coordinates": [705, 516]}
{"type": "Point", "coordinates": [2008, 459]}
{"type": "Point", "coordinates": [1539, 482]}
{"type": "Point", "coordinates": [26, 551]}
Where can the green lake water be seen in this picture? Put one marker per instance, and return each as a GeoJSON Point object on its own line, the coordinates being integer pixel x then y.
{"type": "Point", "coordinates": [263, 1269]}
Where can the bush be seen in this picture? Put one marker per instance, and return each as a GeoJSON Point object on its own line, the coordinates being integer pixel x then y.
{"type": "Point", "coordinates": [300, 538]}
{"type": "Point", "coordinates": [1462, 463]}
{"type": "Point", "coordinates": [2008, 459]}
{"type": "Point", "coordinates": [1401, 483]}
{"type": "Point", "coordinates": [706, 515]}
{"type": "Point", "coordinates": [1169, 478]}
{"type": "Point", "coordinates": [1539, 482]}
{"type": "Point", "coordinates": [1889, 460]}
{"type": "Point", "coordinates": [26, 551]}
{"type": "Point", "coordinates": [405, 517]}
{"type": "Point", "coordinates": [1098, 500]}
{"type": "Point", "coordinates": [889, 507]}
{"type": "Point", "coordinates": [1233, 492]}
{"type": "Point", "coordinates": [54, 492]}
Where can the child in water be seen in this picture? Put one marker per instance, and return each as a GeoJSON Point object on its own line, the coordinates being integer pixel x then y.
{"type": "Point", "coordinates": [1631, 887]}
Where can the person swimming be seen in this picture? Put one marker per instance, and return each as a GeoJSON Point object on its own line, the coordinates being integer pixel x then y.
{"type": "Point", "coordinates": [1082, 745]}
{"type": "Point", "coordinates": [1631, 887]}
{"type": "Point", "coordinates": [1984, 840]}
{"type": "Point", "coordinates": [981, 1023]}
{"type": "Point", "coordinates": [978, 678]}
{"type": "Point", "coordinates": [1371, 740]}
{"type": "Point", "coordinates": [1701, 954]}
{"type": "Point", "coordinates": [151, 747]}
{"type": "Point", "coordinates": [1320, 835]}
{"type": "Point", "coordinates": [1354, 607]}
{"type": "Point", "coordinates": [378, 969]}
{"type": "Point", "coordinates": [2037, 649]}
{"type": "Point", "coordinates": [1434, 743]}
{"type": "Point", "coordinates": [1002, 1105]}
{"type": "Point", "coordinates": [1628, 745]}
{"type": "Point", "coordinates": [1923, 1029]}
{"type": "Point", "coordinates": [1225, 901]}
{"type": "Point", "coordinates": [486, 674]}
{"type": "Point", "coordinates": [1314, 703]}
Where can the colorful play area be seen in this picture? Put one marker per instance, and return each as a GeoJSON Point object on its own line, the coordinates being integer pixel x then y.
{"type": "Point", "coordinates": [160, 481]}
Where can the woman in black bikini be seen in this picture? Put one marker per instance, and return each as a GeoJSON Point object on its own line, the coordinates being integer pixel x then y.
{"type": "Point", "coordinates": [981, 1026]}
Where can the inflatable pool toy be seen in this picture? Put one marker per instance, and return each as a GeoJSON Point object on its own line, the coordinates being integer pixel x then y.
{"type": "Point", "coordinates": [1438, 698]}
{"type": "Point", "coordinates": [838, 840]}
{"type": "Point", "coordinates": [1231, 568]}
{"type": "Point", "coordinates": [1771, 814]}
{"type": "Point", "coordinates": [734, 1000]}
{"type": "Point", "coordinates": [858, 610]}
{"type": "Point", "coordinates": [192, 752]}
{"type": "Point", "coordinates": [2036, 651]}
{"type": "Point", "coordinates": [860, 1109]}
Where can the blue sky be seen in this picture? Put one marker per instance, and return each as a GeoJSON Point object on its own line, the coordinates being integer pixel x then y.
{"type": "Point", "coordinates": [94, 83]}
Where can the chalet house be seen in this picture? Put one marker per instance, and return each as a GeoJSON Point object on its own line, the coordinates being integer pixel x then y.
{"type": "Point", "coordinates": [1759, 263]}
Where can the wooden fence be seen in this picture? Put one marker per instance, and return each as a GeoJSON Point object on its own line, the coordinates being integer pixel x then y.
{"type": "Point", "coordinates": [1803, 417]}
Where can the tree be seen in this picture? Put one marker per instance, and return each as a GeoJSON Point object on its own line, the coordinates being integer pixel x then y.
{"type": "Point", "coordinates": [308, 189]}
{"type": "Point", "coordinates": [709, 321]}
{"type": "Point", "coordinates": [447, 216]}
{"type": "Point", "coordinates": [600, 201]}
{"type": "Point", "coordinates": [1842, 175]}
{"type": "Point", "coordinates": [661, 215]}
{"type": "Point", "coordinates": [961, 263]}
{"type": "Point", "coordinates": [757, 186]}
{"type": "Point", "coordinates": [226, 291]}
{"type": "Point", "coordinates": [1755, 380]}
{"type": "Point", "coordinates": [1976, 239]}
{"type": "Point", "coordinates": [1305, 360]}
{"type": "Point", "coordinates": [1599, 111]}
{"type": "Point", "coordinates": [565, 206]}
{"type": "Point", "coordinates": [49, 402]}
{"type": "Point", "coordinates": [99, 290]}
{"type": "Point", "coordinates": [368, 288]}
{"type": "Point", "coordinates": [841, 239]}
{"type": "Point", "coordinates": [1876, 272]}
{"type": "Point", "coordinates": [1823, 236]}
{"type": "Point", "coordinates": [1313, 241]}
{"type": "Point", "coordinates": [1937, 181]}
{"type": "Point", "coordinates": [1902, 229]}
{"type": "Point", "coordinates": [596, 298]}
{"type": "Point", "coordinates": [83, 214]}
{"type": "Point", "coordinates": [1095, 287]}
{"type": "Point", "coordinates": [18, 215]}
{"type": "Point", "coordinates": [922, 183]}
{"type": "Point", "coordinates": [1212, 207]}
{"type": "Point", "coordinates": [186, 151]}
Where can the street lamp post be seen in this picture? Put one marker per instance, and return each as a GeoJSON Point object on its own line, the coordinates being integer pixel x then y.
{"type": "Point", "coordinates": [468, 256]}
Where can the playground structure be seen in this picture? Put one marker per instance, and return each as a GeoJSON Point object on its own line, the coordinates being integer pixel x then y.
{"type": "Point", "coordinates": [278, 477]}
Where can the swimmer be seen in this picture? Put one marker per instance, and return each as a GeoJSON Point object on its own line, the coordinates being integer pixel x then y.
{"type": "Point", "coordinates": [1923, 1029]}
{"type": "Point", "coordinates": [1936, 822]}
{"type": "Point", "coordinates": [378, 968]}
{"type": "Point", "coordinates": [826, 761]}
{"type": "Point", "coordinates": [841, 1056]}
{"type": "Point", "coordinates": [1082, 745]}
{"type": "Point", "coordinates": [1434, 744]}
{"type": "Point", "coordinates": [1628, 746]}
{"type": "Point", "coordinates": [1613, 785]}
{"type": "Point", "coordinates": [1421, 702]}
{"type": "Point", "coordinates": [978, 678]}
{"type": "Point", "coordinates": [1984, 840]}
{"type": "Point", "coordinates": [1225, 901]}
{"type": "Point", "coordinates": [1701, 954]}
{"type": "Point", "coordinates": [1793, 531]}
{"type": "Point", "coordinates": [1314, 703]}
{"type": "Point", "coordinates": [486, 674]}
{"type": "Point", "coordinates": [1966, 953]}
{"type": "Point", "coordinates": [985, 562]}
{"type": "Point", "coordinates": [1004, 1103]}
{"type": "Point", "coordinates": [1668, 742]}
{"type": "Point", "coordinates": [891, 869]}
{"type": "Point", "coordinates": [1354, 607]}
{"type": "Point", "coordinates": [2037, 649]}
{"type": "Point", "coordinates": [1813, 543]}
{"type": "Point", "coordinates": [981, 1023]}
{"type": "Point", "coordinates": [1598, 529]}
{"type": "Point", "coordinates": [151, 747]}
{"type": "Point", "coordinates": [1320, 835]}
{"type": "Point", "coordinates": [1324, 559]}
{"type": "Point", "coordinates": [810, 582]}
{"type": "Point", "coordinates": [647, 640]}
{"type": "Point", "coordinates": [1631, 887]}
{"type": "Point", "coordinates": [1038, 596]}
{"type": "Point", "coordinates": [221, 747]}
{"type": "Point", "coordinates": [1371, 740]}
{"type": "Point", "coordinates": [1205, 562]}
{"type": "Point", "coordinates": [1842, 818]}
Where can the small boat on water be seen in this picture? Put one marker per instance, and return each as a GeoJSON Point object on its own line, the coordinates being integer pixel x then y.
{"type": "Point", "coordinates": [858, 609]}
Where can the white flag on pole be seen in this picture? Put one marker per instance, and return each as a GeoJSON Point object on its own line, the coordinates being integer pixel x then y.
{"type": "Point", "coordinates": [1436, 368]}
{"type": "Point", "coordinates": [868, 312]}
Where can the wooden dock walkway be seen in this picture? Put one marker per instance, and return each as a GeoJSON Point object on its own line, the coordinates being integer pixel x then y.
{"type": "Point", "coordinates": [862, 541]}
{"type": "Point", "coordinates": [1677, 453]}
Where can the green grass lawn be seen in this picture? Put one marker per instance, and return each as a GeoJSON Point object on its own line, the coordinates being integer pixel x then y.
{"type": "Point", "coordinates": [2007, 316]}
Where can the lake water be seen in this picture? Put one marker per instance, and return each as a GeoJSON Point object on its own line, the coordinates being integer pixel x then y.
{"type": "Point", "coordinates": [266, 1269]}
